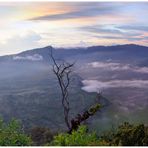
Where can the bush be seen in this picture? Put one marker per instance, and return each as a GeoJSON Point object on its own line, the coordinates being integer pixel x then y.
{"type": "Point", "coordinates": [130, 135]}
{"type": "Point", "coordinates": [125, 135]}
{"type": "Point", "coordinates": [100, 142]}
{"type": "Point", "coordinates": [81, 137]}
{"type": "Point", "coordinates": [11, 134]}
{"type": "Point", "coordinates": [41, 135]}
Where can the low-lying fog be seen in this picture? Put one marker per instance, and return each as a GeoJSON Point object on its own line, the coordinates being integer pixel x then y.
{"type": "Point", "coordinates": [125, 85]}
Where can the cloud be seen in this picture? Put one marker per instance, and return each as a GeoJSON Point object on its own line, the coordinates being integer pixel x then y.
{"type": "Point", "coordinates": [16, 43]}
{"type": "Point", "coordinates": [121, 37]}
{"type": "Point", "coordinates": [113, 66]}
{"type": "Point", "coordinates": [35, 57]}
{"type": "Point", "coordinates": [81, 10]}
{"type": "Point", "coordinates": [112, 31]}
{"type": "Point", "coordinates": [87, 9]}
{"type": "Point", "coordinates": [69, 15]}
{"type": "Point", "coordinates": [100, 23]}
{"type": "Point", "coordinates": [24, 38]}
{"type": "Point", "coordinates": [141, 69]}
{"type": "Point", "coordinates": [97, 86]}
{"type": "Point", "coordinates": [134, 27]}
{"type": "Point", "coordinates": [109, 29]}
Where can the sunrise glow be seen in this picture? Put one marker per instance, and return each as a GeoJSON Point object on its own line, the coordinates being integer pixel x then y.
{"type": "Point", "coordinates": [29, 25]}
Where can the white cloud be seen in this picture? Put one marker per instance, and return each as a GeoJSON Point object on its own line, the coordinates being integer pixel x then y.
{"type": "Point", "coordinates": [109, 65]}
{"type": "Point", "coordinates": [35, 57]}
{"type": "Point", "coordinates": [118, 67]}
{"type": "Point", "coordinates": [141, 69]}
{"type": "Point", "coordinates": [18, 42]}
{"type": "Point", "coordinates": [97, 86]}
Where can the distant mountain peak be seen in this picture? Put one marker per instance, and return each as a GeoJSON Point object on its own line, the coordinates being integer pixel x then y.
{"type": "Point", "coordinates": [43, 54]}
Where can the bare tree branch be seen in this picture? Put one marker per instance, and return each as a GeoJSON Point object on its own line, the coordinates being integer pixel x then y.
{"type": "Point", "coordinates": [62, 72]}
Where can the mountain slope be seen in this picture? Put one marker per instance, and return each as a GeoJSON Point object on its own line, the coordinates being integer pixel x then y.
{"type": "Point", "coordinates": [29, 90]}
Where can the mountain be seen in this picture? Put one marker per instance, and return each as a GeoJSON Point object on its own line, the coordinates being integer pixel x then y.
{"type": "Point", "coordinates": [29, 90]}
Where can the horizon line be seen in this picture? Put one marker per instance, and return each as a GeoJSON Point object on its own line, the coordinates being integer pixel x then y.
{"type": "Point", "coordinates": [70, 48]}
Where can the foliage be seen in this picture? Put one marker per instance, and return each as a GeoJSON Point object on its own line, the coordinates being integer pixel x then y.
{"type": "Point", "coordinates": [81, 137]}
{"type": "Point", "coordinates": [80, 118]}
{"type": "Point", "coordinates": [130, 135]}
{"type": "Point", "coordinates": [125, 135]}
{"type": "Point", "coordinates": [99, 142]}
{"type": "Point", "coordinates": [41, 135]}
{"type": "Point", "coordinates": [95, 108]}
{"type": "Point", "coordinates": [11, 134]}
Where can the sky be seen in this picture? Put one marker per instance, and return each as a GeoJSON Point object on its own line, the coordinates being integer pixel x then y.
{"type": "Point", "coordinates": [28, 25]}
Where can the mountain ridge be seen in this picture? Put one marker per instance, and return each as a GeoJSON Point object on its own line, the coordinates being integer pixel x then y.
{"type": "Point", "coordinates": [29, 90]}
{"type": "Point", "coordinates": [76, 48]}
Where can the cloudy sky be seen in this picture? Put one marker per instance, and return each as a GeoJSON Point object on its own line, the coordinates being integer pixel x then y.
{"type": "Point", "coordinates": [26, 25]}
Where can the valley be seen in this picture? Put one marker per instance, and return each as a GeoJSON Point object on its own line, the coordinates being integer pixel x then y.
{"type": "Point", "coordinates": [29, 90]}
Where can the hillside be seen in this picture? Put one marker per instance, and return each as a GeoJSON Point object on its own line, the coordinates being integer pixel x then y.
{"type": "Point", "coordinates": [29, 90]}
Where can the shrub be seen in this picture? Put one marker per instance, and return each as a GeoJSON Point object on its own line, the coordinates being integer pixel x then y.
{"type": "Point", "coordinates": [11, 134]}
{"type": "Point", "coordinates": [125, 135]}
{"type": "Point", "coordinates": [128, 135]}
{"type": "Point", "coordinates": [81, 137]}
{"type": "Point", "coordinates": [41, 135]}
{"type": "Point", "coordinates": [100, 142]}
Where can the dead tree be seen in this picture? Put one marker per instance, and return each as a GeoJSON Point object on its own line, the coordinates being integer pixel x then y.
{"type": "Point", "coordinates": [62, 70]}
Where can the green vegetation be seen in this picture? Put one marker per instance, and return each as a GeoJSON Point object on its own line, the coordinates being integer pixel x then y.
{"type": "Point", "coordinates": [77, 138]}
{"type": "Point", "coordinates": [93, 109]}
{"type": "Point", "coordinates": [130, 135]}
{"type": "Point", "coordinates": [125, 135]}
{"type": "Point", "coordinates": [12, 135]}
{"type": "Point", "coordinates": [41, 135]}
